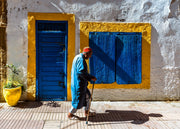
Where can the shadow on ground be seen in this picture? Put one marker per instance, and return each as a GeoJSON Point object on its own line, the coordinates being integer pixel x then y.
{"type": "Point", "coordinates": [29, 104]}
{"type": "Point", "coordinates": [36, 104]}
{"type": "Point", "coordinates": [135, 117]}
{"type": "Point", "coordinates": [52, 104]}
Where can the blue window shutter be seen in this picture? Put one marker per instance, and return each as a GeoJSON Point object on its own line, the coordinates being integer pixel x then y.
{"type": "Point", "coordinates": [102, 63]}
{"type": "Point", "coordinates": [128, 58]}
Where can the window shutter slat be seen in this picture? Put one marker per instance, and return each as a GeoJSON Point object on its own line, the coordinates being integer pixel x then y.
{"type": "Point", "coordinates": [128, 58]}
{"type": "Point", "coordinates": [102, 63]}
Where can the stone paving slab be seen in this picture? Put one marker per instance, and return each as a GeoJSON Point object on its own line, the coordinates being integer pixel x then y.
{"type": "Point", "coordinates": [110, 115]}
{"type": "Point", "coordinates": [52, 125]}
{"type": "Point", "coordinates": [21, 124]}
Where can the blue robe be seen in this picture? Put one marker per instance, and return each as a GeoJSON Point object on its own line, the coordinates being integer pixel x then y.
{"type": "Point", "coordinates": [79, 81]}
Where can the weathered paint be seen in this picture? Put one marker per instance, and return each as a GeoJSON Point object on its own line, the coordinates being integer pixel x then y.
{"type": "Point", "coordinates": [32, 17]}
{"type": "Point", "coordinates": [3, 59]}
{"type": "Point", "coordinates": [3, 45]}
{"type": "Point", "coordinates": [144, 28]}
{"type": "Point", "coordinates": [165, 47]}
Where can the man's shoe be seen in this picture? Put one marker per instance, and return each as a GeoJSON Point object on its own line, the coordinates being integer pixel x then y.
{"type": "Point", "coordinates": [72, 117]}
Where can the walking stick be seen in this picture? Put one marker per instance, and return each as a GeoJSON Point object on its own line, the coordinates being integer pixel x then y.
{"type": "Point", "coordinates": [90, 104]}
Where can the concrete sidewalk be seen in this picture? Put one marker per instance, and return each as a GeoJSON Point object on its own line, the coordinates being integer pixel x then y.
{"type": "Point", "coordinates": [110, 115]}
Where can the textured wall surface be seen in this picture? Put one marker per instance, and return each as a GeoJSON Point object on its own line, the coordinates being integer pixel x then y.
{"type": "Point", "coordinates": [3, 60]}
{"type": "Point", "coordinates": [3, 50]}
{"type": "Point", "coordinates": [163, 15]}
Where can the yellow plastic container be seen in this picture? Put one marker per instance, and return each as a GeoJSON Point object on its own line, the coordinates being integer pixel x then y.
{"type": "Point", "coordinates": [12, 95]}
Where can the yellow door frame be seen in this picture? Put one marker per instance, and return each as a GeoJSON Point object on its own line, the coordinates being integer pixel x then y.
{"type": "Point", "coordinates": [31, 68]}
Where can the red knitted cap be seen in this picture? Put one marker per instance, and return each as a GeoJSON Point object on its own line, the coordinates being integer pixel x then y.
{"type": "Point", "coordinates": [87, 49]}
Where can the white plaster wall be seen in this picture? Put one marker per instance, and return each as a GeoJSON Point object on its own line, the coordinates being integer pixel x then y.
{"type": "Point", "coordinates": [164, 16]}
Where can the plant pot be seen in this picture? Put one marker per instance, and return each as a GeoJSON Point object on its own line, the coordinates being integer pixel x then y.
{"type": "Point", "coordinates": [12, 95]}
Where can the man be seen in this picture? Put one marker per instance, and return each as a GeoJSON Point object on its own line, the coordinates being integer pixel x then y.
{"type": "Point", "coordinates": [79, 81]}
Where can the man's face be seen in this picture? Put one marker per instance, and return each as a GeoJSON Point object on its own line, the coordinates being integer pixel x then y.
{"type": "Point", "coordinates": [88, 55]}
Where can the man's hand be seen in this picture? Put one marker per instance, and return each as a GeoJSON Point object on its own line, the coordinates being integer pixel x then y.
{"type": "Point", "coordinates": [94, 79]}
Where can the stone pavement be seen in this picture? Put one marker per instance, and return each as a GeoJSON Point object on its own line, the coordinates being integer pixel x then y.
{"type": "Point", "coordinates": [110, 115]}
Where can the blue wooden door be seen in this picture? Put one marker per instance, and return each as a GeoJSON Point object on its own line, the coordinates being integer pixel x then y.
{"type": "Point", "coordinates": [116, 57]}
{"type": "Point", "coordinates": [51, 51]}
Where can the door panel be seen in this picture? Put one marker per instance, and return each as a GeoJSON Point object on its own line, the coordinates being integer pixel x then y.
{"type": "Point", "coordinates": [51, 60]}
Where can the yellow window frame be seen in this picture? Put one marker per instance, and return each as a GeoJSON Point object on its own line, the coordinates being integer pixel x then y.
{"type": "Point", "coordinates": [144, 28]}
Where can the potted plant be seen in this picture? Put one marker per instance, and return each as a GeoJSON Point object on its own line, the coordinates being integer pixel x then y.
{"type": "Point", "coordinates": [13, 86]}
